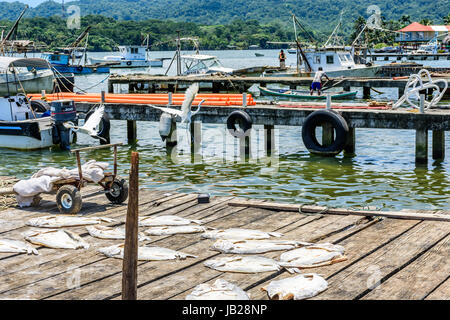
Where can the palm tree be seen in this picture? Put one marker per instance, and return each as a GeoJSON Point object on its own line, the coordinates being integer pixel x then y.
{"type": "Point", "coordinates": [447, 19]}
{"type": "Point", "coordinates": [426, 22]}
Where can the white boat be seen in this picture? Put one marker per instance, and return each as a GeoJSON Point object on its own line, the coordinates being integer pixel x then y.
{"type": "Point", "coordinates": [292, 50]}
{"type": "Point", "coordinates": [131, 57]}
{"type": "Point", "coordinates": [335, 62]}
{"type": "Point", "coordinates": [203, 64]}
{"type": "Point", "coordinates": [15, 77]}
{"type": "Point", "coordinates": [26, 125]}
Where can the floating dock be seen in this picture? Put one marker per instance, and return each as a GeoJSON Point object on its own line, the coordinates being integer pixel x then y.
{"type": "Point", "coordinates": [387, 258]}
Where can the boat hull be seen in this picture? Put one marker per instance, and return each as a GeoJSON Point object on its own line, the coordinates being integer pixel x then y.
{"type": "Point", "coordinates": [26, 135]}
{"type": "Point", "coordinates": [131, 63]}
{"type": "Point", "coordinates": [31, 82]}
{"type": "Point", "coordinates": [306, 96]}
{"type": "Point", "coordinates": [81, 69]}
{"type": "Point", "coordinates": [367, 72]}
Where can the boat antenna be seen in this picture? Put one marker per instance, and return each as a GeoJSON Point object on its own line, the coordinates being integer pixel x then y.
{"type": "Point", "coordinates": [13, 29]}
{"type": "Point", "coordinates": [310, 36]}
{"type": "Point", "coordinates": [333, 34]}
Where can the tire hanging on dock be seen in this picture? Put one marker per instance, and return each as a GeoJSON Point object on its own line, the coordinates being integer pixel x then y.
{"type": "Point", "coordinates": [317, 119]}
{"type": "Point", "coordinates": [239, 124]}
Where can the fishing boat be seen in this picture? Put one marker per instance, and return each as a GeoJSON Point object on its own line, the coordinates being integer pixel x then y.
{"type": "Point", "coordinates": [64, 63]}
{"type": "Point", "coordinates": [26, 125]}
{"type": "Point", "coordinates": [16, 78]}
{"type": "Point", "coordinates": [292, 50]}
{"type": "Point", "coordinates": [297, 94]}
{"type": "Point", "coordinates": [259, 54]}
{"type": "Point", "coordinates": [131, 57]}
{"type": "Point", "coordinates": [196, 64]}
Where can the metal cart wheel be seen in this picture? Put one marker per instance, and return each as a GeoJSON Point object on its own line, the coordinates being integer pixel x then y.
{"type": "Point", "coordinates": [68, 199]}
{"type": "Point", "coordinates": [118, 192]}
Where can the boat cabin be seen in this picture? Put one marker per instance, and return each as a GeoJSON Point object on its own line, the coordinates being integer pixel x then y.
{"type": "Point", "coordinates": [201, 64]}
{"type": "Point", "coordinates": [57, 58]}
{"type": "Point", "coordinates": [133, 52]}
{"type": "Point", "coordinates": [329, 60]}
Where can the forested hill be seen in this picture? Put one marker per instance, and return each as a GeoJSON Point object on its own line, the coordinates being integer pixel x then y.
{"type": "Point", "coordinates": [320, 14]}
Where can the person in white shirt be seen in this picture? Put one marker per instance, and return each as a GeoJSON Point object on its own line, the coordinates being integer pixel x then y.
{"type": "Point", "coordinates": [317, 82]}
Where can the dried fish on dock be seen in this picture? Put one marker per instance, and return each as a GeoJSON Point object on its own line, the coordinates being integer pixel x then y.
{"type": "Point", "coordinates": [220, 290]}
{"type": "Point", "coordinates": [146, 253]}
{"type": "Point", "coordinates": [166, 220]}
{"type": "Point", "coordinates": [240, 234]}
{"type": "Point", "coordinates": [15, 246]}
{"type": "Point", "coordinates": [255, 246]}
{"type": "Point", "coordinates": [61, 221]}
{"type": "Point", "coordinates": [248, 264]}
{"type": "Point", "coordinates": [313, 256]}
{"type": "Point", "coordinates": [56, 239]}
{"type": "Point", "coordinates": [169, 230]}
{"type": "Point", "coordinates": [112, 233]}
{"type": "Point", "coordinates": [299, 287]}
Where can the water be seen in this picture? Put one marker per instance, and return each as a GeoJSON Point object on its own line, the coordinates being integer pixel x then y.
{"type": "Point", "coordinates": [383, 174]}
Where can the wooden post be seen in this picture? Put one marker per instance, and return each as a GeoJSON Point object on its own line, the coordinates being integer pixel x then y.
{"type": "Point", "coordinates": [347, 87]}
{"type": "Point", "coordinates": [401, 92]}
{"type": "Point", "coordinates": [110, 87]}
{"type": "Point", "coordinates": [349, 149]}
{"type": "Point", "coordinates": [421, 146]}
{"type": "Point", "coordinates": [244, 146]}
{"type": "Point", "coordinates": [131, 131]}
{"type": "Point", "coordinates": [171, 140]}
{"type": "Point", "coordinates": [269, 134]}
{"type": "Point", "coordinates": [366, 92]}
{"type": "Point", "coordinates": [438, 144]}
{"type": "Point", "coordinates": [327, 134]}
{"type": "Point", "coordinates": [130, 255]}
{"type": "Point", "coordinates": [196, 138]}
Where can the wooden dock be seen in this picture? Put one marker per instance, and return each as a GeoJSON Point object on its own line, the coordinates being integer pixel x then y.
{"type": "Point", "coordinates": [387, 258]}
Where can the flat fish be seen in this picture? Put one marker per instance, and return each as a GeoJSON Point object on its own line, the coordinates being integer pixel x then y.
{"type": "Point", "coordinates": [220, 290]}
{"type": "Point", "coordinates": [315, 255]}
{"type": "Point", "coordinates": [15, 246]}
{"type": "Point", "coordinates": [117, 233]}
{"type": "Point", "coordinates": [299, 287]}
{"type": "Point", "coordinates": [167, 220]}
{"type": "Point", "coordinates": [240, 234]}
{"type": "Point", "coordinates": [255, 246]}
{"type": "Point", "coordinates": [61, 221]}
{"type": "Point", "coordinates": [240, 264]}
{"type": "Point", "coordinates": [146, 253]}
{"type": "Point", "coordinates": [56, 239]}
{"type": "Point", "coordinates": [168, 230]}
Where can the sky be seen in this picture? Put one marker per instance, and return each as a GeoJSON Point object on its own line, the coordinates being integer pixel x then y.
{"type": "Point", "coordinates": [31, 3]}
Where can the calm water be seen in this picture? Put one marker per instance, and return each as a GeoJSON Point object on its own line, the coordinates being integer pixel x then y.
{"type": "Point", "coordinates": [383, 173]}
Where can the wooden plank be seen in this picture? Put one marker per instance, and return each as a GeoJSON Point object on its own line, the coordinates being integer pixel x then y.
{"type": "Point", "coordinates": [365, 275]}
{"type": "Point", "coordinates": [441, 293]}
{"type": "Point", "coordinates": [326, 210]}
{"type": "Point", "coordinates": [357, 246]}
{"type": "Point", "coordinates": [418, 279]}
{"type": "Point", "coordinates": [107, 286]}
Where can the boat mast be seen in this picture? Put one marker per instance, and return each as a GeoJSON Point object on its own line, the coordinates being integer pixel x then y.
{"type": "Point", "coordinates": [178, 53]}
{"type": "Point", "coordinates": [12, 31]}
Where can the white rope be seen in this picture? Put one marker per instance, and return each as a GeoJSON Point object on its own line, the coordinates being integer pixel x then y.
{"type": "Point", "coordinates": [415, 84]}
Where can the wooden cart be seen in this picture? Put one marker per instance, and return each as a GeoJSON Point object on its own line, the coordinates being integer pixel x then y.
{"type": "Point", "coordinates": [68, 191]}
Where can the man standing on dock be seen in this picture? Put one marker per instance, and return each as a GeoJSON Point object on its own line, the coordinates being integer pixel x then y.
{"type": "Point", "coordinates": [317, 82]}
{"type": "Point", "coordinates": [282, 58]}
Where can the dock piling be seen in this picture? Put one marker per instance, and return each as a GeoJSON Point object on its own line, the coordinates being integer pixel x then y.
{"type": "Point", "coordinates": [131, 131]}
{"type": "Point", "coordinates": [244, 147]}
{"type": "Point", "coordinates": [171, 140]}
{"type": "Point", "coordinates": [421, 146]}
{"type": "Point", "coordinates": [130, 255]}
{"type": "Point", "coordinates": [269, 135]}
{"type": "Point", "coordinates": [438, 144]}
{"type": "Point", "coordinates": [349, 149]}
{"type": "Point", "coordinates": [196, 139]}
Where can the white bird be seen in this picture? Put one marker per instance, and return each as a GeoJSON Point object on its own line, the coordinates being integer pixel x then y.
{"type": "Point", "coordinates": [90, 125]}
{"type": "Point", "coordinates": [185, 113]}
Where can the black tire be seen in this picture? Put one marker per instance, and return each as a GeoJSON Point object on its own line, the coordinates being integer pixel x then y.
{"type": "Point", "coordinates": [80, 68]}
{"type": "Point", "coordinates": [105, 126]}
{"type": "Point", "coordinates": [68, 199]}
{"type": "Point", "coordinates": [39, 106]}
{"type": "Point", "coordinates": [128, 63]}
{"type": "Point", "coordinates": [242, 119]}
{"type": "Point", "coordinates": [118, 192]}
{"type": "Point", "coordinates": [318, 118]}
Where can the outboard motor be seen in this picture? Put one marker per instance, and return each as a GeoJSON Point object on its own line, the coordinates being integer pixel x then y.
{"type": "Point", "coordinates": [63, 111]}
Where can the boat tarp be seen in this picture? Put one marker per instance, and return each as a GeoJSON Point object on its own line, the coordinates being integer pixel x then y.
{"type": "Point", "coordinates": [6, 62]}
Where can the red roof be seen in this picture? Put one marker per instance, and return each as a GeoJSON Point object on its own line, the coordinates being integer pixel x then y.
{"type": "Point", "coordinates": [416, 27]}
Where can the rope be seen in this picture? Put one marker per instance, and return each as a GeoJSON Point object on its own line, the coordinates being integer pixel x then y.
{"type": "Point", "coordinates": [75, 86]}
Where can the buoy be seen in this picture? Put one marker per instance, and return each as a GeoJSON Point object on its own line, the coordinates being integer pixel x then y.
{"type": "Point", "coordinates": [165, 125]}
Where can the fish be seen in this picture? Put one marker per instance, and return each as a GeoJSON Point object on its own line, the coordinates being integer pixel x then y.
{"type": "Point", "coordinates": [168, 230]}
{"type": "Point", "coordinates": [117, 233]}
{"type": "Point", "coordinates": [56, 239]}
{"type": "Point", "coordinates": [61, 221]}
{"type": "Point", "coordinates": [16, 246]}
{"type": "Point", "coordinates": [255, 246]}
{"type": "Point", "coordinates": [302, 286]}
{"type": "Point", "coordinates": [146, 253]}
{"type": "Point", "coordinates": [167, 220]}
{"type": "Point", "coordinates": [240, 264]}
{"type": "Point", "coordinates": [316, 255]}
{"type": "Point", "coordinates": [220, 290]}
{"type": "Point", "coordinates": [240, 234]}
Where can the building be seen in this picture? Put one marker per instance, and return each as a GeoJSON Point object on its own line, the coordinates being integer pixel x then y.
{"type": "Point", "coordinates": [417, 33]}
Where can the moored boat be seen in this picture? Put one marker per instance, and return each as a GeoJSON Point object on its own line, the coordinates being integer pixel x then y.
{"type": "Point", "coordinates": [131, 57]}
{"type": "Point", "coordinates": [298, 94]}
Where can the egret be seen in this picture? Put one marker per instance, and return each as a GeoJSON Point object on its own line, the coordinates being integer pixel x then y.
{"type": "Point", "coordinates": [90, 125]}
